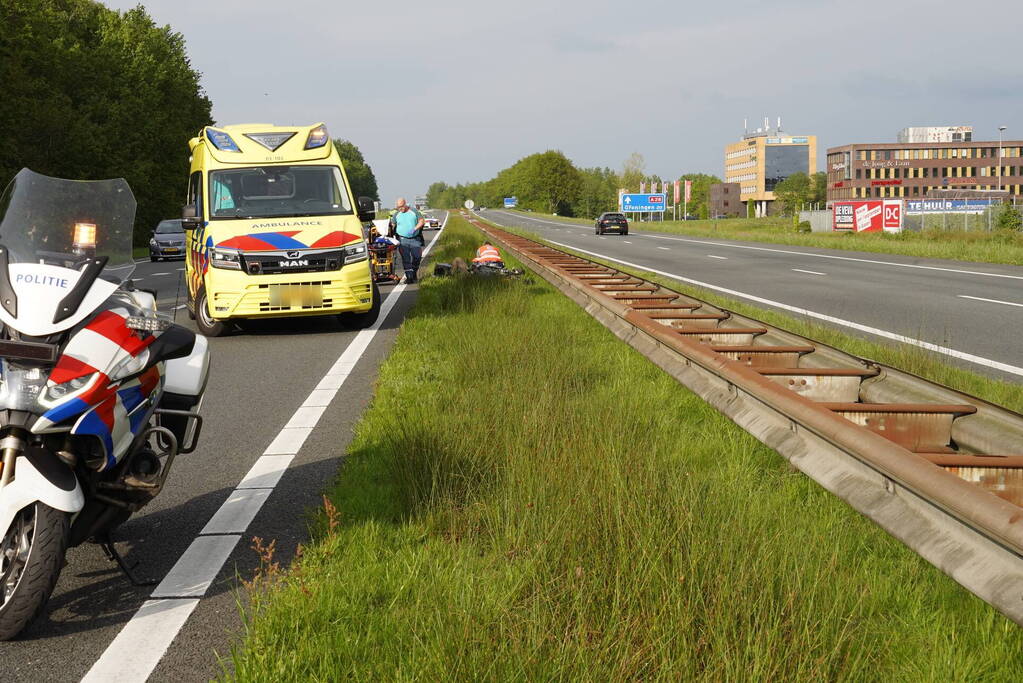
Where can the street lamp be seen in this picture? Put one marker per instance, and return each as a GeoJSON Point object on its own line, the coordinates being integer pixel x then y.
{"type": "Point", "coordinates": [1001, 129]}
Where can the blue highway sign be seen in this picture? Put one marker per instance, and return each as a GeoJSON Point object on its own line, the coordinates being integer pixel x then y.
{"type": "Point", "coordinates": [637, 203]}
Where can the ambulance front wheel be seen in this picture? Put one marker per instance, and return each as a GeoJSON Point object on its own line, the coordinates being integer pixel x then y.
{"type": "Point", "coordinates": [363, 320]}
{"type": "Point", "coordinates": [208, 327]}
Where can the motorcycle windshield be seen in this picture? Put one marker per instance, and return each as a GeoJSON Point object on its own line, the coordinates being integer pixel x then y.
{"type": "Point", "coordinates": [68, 223]}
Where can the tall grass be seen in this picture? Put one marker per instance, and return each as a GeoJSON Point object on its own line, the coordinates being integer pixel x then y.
{"type": "Point", "coordinates": [529, 498]}
{"type": "Point", "coordinates": [927, 364]}
{"type": "Point", "coordinates": [997, 246]}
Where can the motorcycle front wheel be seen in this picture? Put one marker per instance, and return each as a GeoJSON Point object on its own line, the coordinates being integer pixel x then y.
{"type": "Point", "coordinates": [31, 557]}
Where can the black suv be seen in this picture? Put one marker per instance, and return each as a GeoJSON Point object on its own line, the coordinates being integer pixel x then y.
{"type": "Point", "coordinates": [167, 240]}
{"type": "Point", "coordinates": [612, 221]}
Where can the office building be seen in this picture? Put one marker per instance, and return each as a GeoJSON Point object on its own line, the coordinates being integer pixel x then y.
{"type": "Point", "coordinates": [927, 169]}
{"type": "Point", "coordinates": [764, 158]}
{"type": "Point", "coordinates": [936, 134]}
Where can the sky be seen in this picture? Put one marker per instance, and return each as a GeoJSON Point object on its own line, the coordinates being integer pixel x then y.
{"type": "Point", "coordinates": [457, 92]}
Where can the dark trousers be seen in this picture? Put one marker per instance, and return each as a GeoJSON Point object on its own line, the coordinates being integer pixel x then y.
{"type": "Point", "coordinates": [411, 254]}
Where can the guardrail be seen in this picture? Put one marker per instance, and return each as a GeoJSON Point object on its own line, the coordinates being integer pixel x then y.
{"type": "Point", "coordinates": [940, 470]}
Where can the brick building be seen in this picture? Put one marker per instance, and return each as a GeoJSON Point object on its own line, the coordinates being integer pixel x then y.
{"type": "Point", "coordinates": [916, 170]}
{"type": "Point", "coordinates": [723, 200]}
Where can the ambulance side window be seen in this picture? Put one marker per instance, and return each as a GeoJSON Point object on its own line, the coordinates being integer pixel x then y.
{"type": "Point", "coordinates": [195, 192]}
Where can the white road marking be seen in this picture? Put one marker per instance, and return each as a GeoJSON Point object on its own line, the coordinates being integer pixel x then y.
{"type": "Point", "coordinates": [178, 308]}
{"type": "Point", "coordinates": [626, 242]}
{"type": "Point", "coordinates": [155, 274]}
{"type": "Point", "coordinates": [306, 416]}
{"type": "Point", "coordinates": [831, 256]}
{"type": "Point", "coordinates": [944, 350]}
{"type": "Point", "coordinates": [720, 258]}
{"type": "Point", "coordinates": [601, 238]}
{"type": "Point", "coordinates": [266, 472]}
{"type": "Point", "coordinates": [141, 643]}
{"type": "Point", "coordinates": [235, 515]}
{"type": "Point", "coordinates": [193, 573]}
{"type": "Point", "coordinates": [288, 441]}
{"type": "Point", "coordinates": [135, 652]}
{"type": "Point", "coordinates": [811, 272]}
{"type": "Point", "coordinates": [664, 248]}
{"type": "Point", "coordinates": [992, 301]}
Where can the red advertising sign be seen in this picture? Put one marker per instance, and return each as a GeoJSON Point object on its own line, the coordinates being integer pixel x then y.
{"type": "Point", "coordinates": [678, 190]}
{"type": "Point", "coordinates": [869, 216]}
{"type": "Point", "coordinates": [689, 190]}
{"type": "Point", "coordinates": [892, 216]}
{"type": "Point", "coordinates": [884, 183]}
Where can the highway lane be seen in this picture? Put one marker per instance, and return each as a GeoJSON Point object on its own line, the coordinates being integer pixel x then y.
{"type": "Point", "coordinates": [971, 312]}
{"type": "Point", "coordinates": [258, 381]}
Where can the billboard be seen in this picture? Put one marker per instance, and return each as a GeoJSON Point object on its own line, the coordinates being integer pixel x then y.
{"type": "Point", "coordinates": [511, 202]}
{"type": "Point", "coordinates": [976, 206]}
{"type": "Point", "coordinates": [642, 203]}
{"type": "Point", "coordinates": [868, 216]}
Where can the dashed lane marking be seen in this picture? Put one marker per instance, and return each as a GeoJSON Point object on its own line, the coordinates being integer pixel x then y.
{"type": "Point", "coordinates": [944, 350]}
{"type": "Point", "coordinates": [811, 272]}
{"type": "Point", "coordinates": [990, 301]}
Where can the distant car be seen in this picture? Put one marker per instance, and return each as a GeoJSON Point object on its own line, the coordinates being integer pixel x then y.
{"type": "Point", "coordinates": [167, 240]}
{"type": "Point", "coordinates": [612, 221]}
{"type": "Point", "coordinates": [690, 217]}
{"type": "Point", "coordinates": [431, 222]}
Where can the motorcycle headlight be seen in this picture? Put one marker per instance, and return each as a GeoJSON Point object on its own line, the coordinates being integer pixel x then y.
{"type": "Point", "coordinates": [58, 393]}
{"type": "Point", "coordinates": [355, 253]}
{"type": "Point", "coordinates": [228, 259]}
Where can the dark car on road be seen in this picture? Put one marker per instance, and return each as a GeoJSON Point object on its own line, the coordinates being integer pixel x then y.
{"type": "Point", "coordinates": [167, 240]}
{"type": "Point", "coordinates": [612, 221]}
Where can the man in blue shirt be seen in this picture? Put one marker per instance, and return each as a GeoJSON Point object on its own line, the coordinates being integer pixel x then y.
{"type": "Point", "coordinates": [408, 228]}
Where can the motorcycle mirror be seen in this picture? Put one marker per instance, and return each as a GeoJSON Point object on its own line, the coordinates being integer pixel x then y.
{"type": "Point", "coordinates": [367, 209]}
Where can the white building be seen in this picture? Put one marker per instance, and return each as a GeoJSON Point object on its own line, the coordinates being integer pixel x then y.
{"type": "Point", "coordinates": [936, 134]}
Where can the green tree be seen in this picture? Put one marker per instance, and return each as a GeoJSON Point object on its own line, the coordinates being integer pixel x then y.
{"type": "Point", "coordinates": [633, 172]}
{"type": "Point", "coordinates": [793, 192]}
{"type": "Point", "coordinates": [820, 188]}
{"type": "Point", "coordinates": [91, 93]}
{"type": "Point", "coordinates": [360, 175]}
{"type": "Point", "coordinates": [1007, 217]}
{"type": "Point", "coordinates": [598, 192]}
{"type": "Point", "coordinates": [699, 200]}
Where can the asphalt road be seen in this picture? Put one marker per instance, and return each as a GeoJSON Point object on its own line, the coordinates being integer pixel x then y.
{"type": "Point", "coordinates": [971, 312]}
{"type": "Point", "coordinates": [258, 380]}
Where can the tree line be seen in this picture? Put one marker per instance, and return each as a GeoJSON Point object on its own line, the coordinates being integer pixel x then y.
{"type": "Point", "coordinates": [91, 93]}
{"type": "Point", "coordinates": [551, 183]}
{"type": "Point", "coordinates": [88, 93]}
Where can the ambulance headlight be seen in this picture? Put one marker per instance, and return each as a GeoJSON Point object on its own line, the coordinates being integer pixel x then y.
{"type": "Point", "coordinates": [355, 253]}
{"type": "Point", "coordinates": [318, 137]}
{"type": "Point", "coordinates": [228, 259]}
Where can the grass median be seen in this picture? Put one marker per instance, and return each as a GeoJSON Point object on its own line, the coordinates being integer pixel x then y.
{"type": "Point", "coordinates": [529, 498]}
{"type": "Point", "coordinates": [981, 246]}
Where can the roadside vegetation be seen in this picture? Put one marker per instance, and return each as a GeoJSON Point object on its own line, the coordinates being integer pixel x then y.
{"type": "Point", "coordinates": [927, 364]}
{"type": "Point", "coordinates": [529, 498]}
{"type": "Point", "coordinates": [980, 246]}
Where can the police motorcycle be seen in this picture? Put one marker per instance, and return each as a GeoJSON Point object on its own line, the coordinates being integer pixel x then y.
{"type": "Point", "coordinates": [98, 392]}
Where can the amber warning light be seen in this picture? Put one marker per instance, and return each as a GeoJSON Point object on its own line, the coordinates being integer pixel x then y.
{"type": "Point", "coordinates": [85, 236]}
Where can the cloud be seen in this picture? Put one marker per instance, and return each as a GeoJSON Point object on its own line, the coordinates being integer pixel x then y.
{"type": "Point", "coordinates": [459, 91]}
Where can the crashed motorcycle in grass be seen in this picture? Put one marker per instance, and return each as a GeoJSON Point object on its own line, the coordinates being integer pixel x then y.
{"type": "Point", "coordinates": [98, 391]}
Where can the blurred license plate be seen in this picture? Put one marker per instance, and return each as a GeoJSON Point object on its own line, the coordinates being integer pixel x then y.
{"type": "Point", "coordinates": [288, 296]}
{"type": "Point", "coordinates": [171, 250]}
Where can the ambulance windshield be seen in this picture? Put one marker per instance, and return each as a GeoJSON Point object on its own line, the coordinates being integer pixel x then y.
{"type": "Point", "coordinates": [278, 191]}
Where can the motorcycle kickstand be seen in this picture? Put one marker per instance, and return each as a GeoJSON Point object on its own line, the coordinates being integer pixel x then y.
{"type": "Point", "coordinates": [112, 554]}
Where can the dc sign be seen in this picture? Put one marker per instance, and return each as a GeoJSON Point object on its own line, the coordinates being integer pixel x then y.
{"type": "Point", "coordinates": [643, 203]}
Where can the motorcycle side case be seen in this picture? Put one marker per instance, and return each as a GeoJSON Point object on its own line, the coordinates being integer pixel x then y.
{"type": "Point", "coordinates": [184, 384]}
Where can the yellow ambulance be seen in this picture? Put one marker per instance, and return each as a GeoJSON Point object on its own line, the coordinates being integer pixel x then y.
{"type": "Point", "coordinates": [273, 229]}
